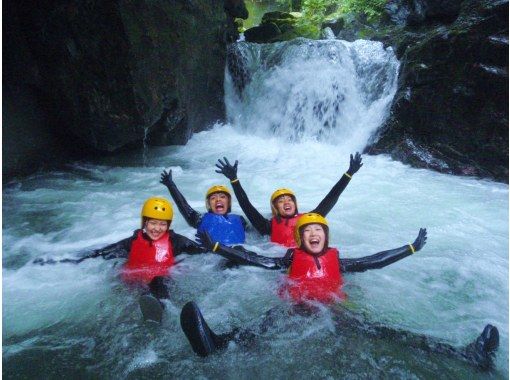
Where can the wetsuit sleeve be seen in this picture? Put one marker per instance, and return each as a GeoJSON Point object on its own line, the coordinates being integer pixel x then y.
{"type": "Point", "coordinates": [113, 251]}
{"type": "Point", "coordinates": [376, 261]}
{"type": "Point", "coordinates": [192, 217]}
{"type": "Point", "coordinates": [261, 224]}
{"type": "Point", "coordinates": [330, 200]}
{"type": "Point", "coordinates": [182, 244]}
{"type": "Point", "coordinates": [242, 256]}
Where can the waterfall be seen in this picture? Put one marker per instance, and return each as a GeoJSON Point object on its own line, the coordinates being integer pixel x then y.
{"type": "Point", "coordinates": [328, 90]}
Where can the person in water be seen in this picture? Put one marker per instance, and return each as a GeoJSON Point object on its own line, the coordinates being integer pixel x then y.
{"type": "Point", "coordinates": [150, 254]}
{"type": "Point", "coordinates": [314, 271]}
{"type": "Point", "coordinates": [283, 203]}
{"type": "Point", "coordinates": [218, 221]}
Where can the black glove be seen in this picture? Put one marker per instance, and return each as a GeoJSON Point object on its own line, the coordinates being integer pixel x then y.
{"type": "Point", "coordinates": [226, 169]}
{"type": "Point", "coordinates": [420, 240]}
{"type": "Point", "coordinates": [41, 261]}
{"type": "Point", "coordinates": [166, 178]}
{"type": "Point", "coordinates": [355, 164]}
{"type": "Point", "coordinates": [204, 240]}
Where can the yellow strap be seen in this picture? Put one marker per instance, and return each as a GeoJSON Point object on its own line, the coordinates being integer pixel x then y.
{"type": "Point", "coordinates": [348, 175]}
{"type": "Point", "coordinates": [234, 180]}
{"type": "Point", "coordinates": [412, 248]}
{"type": "Point", "coordinates": [215, 246]}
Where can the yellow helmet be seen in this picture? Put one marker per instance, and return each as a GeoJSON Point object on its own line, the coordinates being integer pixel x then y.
{"type": "Point", "coordinates": [279, 193]}
{"type": "Point", "coordinates": [309, 218]}
{"type": "Point", "coordinates": [217, 189]}
{"type": "Point", "coordinates": [157, 208]}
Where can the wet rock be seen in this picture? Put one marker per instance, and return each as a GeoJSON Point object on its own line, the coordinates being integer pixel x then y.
{"type": "Point", "coordinates": [112, 73]}
{"type": "Point", "coordinates": [452, 99]}
{"type": "Point", "coordinates": [263, 33]}
{"type": "Point", "coordinates": [236, 9]}
{"type": "Point", "coordinates": [280, 26]}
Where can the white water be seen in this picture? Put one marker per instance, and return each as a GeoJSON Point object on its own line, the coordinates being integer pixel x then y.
{"type": "Point", "coordinates": [69, 316]}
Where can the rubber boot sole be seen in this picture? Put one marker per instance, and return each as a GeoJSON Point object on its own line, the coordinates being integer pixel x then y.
{"type": "Point", "coordinates": [151, 308]}
{"type": "Point", "coordinates": [196, 330]}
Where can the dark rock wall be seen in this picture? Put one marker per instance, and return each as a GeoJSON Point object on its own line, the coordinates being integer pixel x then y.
{"type": "Point", "coordinates": [103, 75]}
{"type": "Point", "coordinates": [450, 112]}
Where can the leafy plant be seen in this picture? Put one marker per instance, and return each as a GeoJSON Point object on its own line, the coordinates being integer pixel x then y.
{"type": "Point", "coordinates": [315, 11]}
{"type": "Point", "coordinates": [371, 8]}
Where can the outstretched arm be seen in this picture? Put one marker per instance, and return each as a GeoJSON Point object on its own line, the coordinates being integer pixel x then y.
{"type": "Point", "coordinates": [113, 251]}
{"type": "Point", "coordinates": [184, 245]}
{"type": "Point", "coordinates": [382, 259]}
{"type": "Point", "coordinates": [261, 224]}
{"type": "Point", "coordinates": [330, 200]}
{"type": "Point", "coordinates": [191, 216]}
{"type": "Point", "coordinates": [242, 256]}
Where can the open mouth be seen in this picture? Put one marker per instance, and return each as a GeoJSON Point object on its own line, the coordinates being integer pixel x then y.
{"type": "Point", "coordinates": [287, 208]}
{"type": "Point", "coordinates": [314, 242]}
{"type": "Point", "coordinates": [219, 206]}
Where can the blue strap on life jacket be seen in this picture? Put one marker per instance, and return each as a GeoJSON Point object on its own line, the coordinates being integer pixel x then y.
{"type": "Point", "coordinates": [226, 229]}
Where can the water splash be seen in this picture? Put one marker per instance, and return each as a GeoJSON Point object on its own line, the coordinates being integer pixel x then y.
{"type": "Point", "coordinates": [328, 90]}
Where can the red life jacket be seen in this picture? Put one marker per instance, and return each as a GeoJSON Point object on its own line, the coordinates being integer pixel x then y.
{"type": "Point", "coordinates": [148, 259]}
{"type": "Point", "coordinates": [283, 232]}
{"type": "Point", "coordinates": [309, 282]}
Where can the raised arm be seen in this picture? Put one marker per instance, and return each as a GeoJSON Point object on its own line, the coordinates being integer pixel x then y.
{"type": "Point", "coordinates": [261, 224]}
{"type": "Point", "coordinates": [384, 258]}
{"type": "Point", "coordinates": [330, 200]}
{"type": "Point", "coordinates": [182, 244]}
{"type": "Point", "coordinates": [242, 256]}
{"type": "Point", "coordinates": [191, 216]}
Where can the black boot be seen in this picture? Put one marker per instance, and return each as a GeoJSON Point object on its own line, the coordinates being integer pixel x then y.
{"type": "Point", "coordinates": [203, 341]}
{"type": "Point", "coordinates": [158, 288]}
{"type": "Point", "coordinates": [151, 307]}
{"type": "Point", "coordinates": [482, 350]}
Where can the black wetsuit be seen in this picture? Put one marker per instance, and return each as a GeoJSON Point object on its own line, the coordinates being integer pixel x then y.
{"type": "Point", "coordinates": [204, 341]}
{"type": "Point", "coordinates": [375, 261]}
{"type": "Point", "coordinates": [193, 218]}
{"type": "Point", "coordinates": [263, 225]}
{"type": "Point", "coordinates": [121, 249]}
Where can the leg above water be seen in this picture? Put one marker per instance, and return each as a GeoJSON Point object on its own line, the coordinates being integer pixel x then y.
{"type": "Point", "coordinates": [202, 339]}
{"type": "Point", "coordinates": [150, 304]}
{"type": "Point", "coordinates": [481, 351]}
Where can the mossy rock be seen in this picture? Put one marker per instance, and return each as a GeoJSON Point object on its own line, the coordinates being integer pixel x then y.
{"type": "Point", "coordinates": [336, 24]}
{"type": "Point", "coordinates": [277, 15]}
{"type": "Point", "coordinates": [307, 31]}
{"type": "Point", "coordinates": [263, 33]}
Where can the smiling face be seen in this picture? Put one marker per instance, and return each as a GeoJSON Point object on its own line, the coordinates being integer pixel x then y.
{"type": "Point", "coordinates": [285, 205]}
{"type": "Point", "coordinates": [219, 203]}
{"type": "Point", "coordinates": [156, 228]}
{"type": "Point", "coordinates": [314, 238]}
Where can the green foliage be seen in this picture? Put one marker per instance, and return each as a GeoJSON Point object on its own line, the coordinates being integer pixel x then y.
{"type": "Point", "coordinates": [371, 8]}
{"type": "Point", "coordinates": [285, 5]}
{"type": "Point", "coordinates": [314, 13]}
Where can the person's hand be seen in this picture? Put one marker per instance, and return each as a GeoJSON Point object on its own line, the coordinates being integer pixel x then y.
{"type": "Point", "coordinates": [204, 240]}
{"type": "Point", "coordinates": [355, 164]}
{"type": "Point", "coordinates": [227, 169]}
{"type": "Point", "coordinates": [166, 178]}
{"type": "Point", "coordinates": [420, 240]}
{"type": "Point", "coordinates": [41, 261]}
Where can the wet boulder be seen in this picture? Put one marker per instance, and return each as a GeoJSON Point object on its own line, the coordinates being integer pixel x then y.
{"type": "Point", "coordinates": [262, 33]}
{"type": "Point", "coordinates": [114, 74]}
{"type": "Point", "coordinates": [280, 26]}
{"type": "Point", "coordinates": [450, 112]}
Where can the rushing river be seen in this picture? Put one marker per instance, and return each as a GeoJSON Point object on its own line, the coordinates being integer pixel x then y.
{"type": "Point", "coordinates": [303, 108]}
